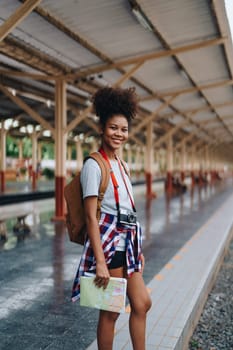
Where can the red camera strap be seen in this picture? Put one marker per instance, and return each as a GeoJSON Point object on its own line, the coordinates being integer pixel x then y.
{"type": "Point", "coordinates": [123, 176]}
{"type": "Point", "coordinates": [114, 180]}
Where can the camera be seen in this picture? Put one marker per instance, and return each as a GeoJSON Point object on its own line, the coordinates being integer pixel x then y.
{"type": "Point", "coordinates": [127, 217]}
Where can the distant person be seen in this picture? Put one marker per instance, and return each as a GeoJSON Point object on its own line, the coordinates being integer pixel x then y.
{"type": "Point", "coordinates": [114, 244]}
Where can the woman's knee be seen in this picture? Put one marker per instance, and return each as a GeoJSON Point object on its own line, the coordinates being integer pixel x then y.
{"type": "Point", "coordinates": [142, 306]}
{"type": "Point", "coordinates": [109, 316]}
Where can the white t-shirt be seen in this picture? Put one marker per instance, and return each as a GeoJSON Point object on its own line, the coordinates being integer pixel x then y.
{"type": "Point", "coordinates": [90, 181]}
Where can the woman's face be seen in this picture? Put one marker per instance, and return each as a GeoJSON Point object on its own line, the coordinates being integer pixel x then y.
{"type": "Point", "coordinates": [115, 132]}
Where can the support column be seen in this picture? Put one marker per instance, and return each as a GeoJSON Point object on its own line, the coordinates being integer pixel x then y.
{"type": "Point", "coordinates": [20, 148]}
{"type": "Point", "coordinates": [149, 156]}
{"type": "Point", "coordinates": [39, 151]}
{"type": "Point", "coordinates": [34, 160]}
{"type": "Point", "coordinates": [213, 170]}
{"type": "Point", "coordinates": [129, 157]}
{"type": "Point", "coordinates": [69, 158]}
{"type": "Point", "coordinates": [39, 158]}
{"type": "Point", "coordinates": [60, 149]}
{"type": "Point", "coordinates": [201, 168]}
{"type": "Point", "coordinates": [79, 155]}
{"type": "Point", "coordinates": [120, 153]}
{"type": "Point", "coordinates": [169, 186]}
{"type": "Point", "coordinates": [69, 152]}
{"type": "Point", "coordinates": [183, 161]}
{"type": "Point", "coordinates": [3, 158]}
{"type": "Point", "coordinates": [207, 163]}
{"type": "Point", "coordinates": [137, 162]}
{"type": "Point", "coordinates": [193, 150]}
{"type": "Point", "coordinates": [94, 146]}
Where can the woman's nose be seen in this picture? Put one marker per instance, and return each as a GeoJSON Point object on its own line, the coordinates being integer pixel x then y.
{"type": "Point", "coordinates": [118, 132]}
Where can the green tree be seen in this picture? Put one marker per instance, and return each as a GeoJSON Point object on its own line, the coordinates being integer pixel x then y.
{"type": "Point", "coordinates": [48, 151]}
{"type": "Point", "coordinates": [11, 147]}
{"type": "Point", "coordinates": [27, 147]}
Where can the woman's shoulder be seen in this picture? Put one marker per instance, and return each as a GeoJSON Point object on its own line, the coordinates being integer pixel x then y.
{"type": "Point", "coordinates": [90, 165]}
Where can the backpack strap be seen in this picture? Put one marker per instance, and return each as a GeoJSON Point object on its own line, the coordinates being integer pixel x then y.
{"type": "Point", "coordinates": [105, 176]}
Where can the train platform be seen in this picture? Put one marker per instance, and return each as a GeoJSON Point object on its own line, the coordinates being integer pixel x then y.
{"type": "Point", "coordinates": [185, 238]}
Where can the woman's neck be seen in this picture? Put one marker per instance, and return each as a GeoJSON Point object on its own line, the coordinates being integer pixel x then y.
{"type": "Point", "coordinates": [110, 153]}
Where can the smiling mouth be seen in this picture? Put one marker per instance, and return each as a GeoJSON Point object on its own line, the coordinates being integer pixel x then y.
{"type": "Point", "coordinates": [117, 140]}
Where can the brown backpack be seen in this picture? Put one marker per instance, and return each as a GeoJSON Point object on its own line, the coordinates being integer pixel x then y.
{"type": "Point", "coordinates": [75, 217]}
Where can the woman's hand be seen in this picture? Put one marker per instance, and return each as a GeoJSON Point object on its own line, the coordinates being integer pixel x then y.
{"type": "Point", "coordinates": [102, 275]}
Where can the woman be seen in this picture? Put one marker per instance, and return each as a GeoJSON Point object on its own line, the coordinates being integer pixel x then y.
{"type": "Point", "coordinates": [113, 246]}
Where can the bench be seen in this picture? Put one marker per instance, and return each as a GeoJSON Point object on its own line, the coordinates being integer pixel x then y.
{"type": "Point", "coordinates": [20, 229]}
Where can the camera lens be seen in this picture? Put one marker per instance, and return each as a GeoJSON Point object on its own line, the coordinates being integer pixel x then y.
{"type": "Point", "coordinates": [131, 218]}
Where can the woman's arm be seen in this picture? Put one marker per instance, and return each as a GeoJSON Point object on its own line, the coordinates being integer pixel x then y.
{"type": "Point", "coordinates": [102, 273]}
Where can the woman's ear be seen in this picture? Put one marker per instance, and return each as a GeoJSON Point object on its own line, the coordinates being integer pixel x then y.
{"type": "Point", "coordinates": [101, 130]}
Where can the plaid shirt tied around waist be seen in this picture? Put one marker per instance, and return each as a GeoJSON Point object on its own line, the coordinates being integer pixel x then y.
{"type": "Point", "coordinates": [110, 232]}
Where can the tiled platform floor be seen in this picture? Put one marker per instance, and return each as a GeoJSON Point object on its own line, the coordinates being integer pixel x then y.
{"type": "Point", "coordinates": [36, 273]}
{"type": "Point", "coordinates": [180, 289]}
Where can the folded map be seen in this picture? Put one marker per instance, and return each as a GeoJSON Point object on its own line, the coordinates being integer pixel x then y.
{"type": "Point", "coordinates": [112, 298]}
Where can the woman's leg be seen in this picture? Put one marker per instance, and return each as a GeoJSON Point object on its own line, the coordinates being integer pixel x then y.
{"type": "Point", "coordinates": [107, 320]}
{"type": "Point", "coordinates": [140, 303]}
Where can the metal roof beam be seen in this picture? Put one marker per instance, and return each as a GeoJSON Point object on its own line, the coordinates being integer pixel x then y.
{"type": "Point", "coordinates": [151, 117]}
{"type": "Point", "coordinates": [185, 139]}
{"type": "Point", "coordinates": [145, 57]}
{"type": "Point", "coordinates": [170, 132]}
{"type": "Point", "coordinates": [188, 90]}
{"type": "Point", "coordinates": [17, 17]}
{"type": "Point", "coordinates": [128, 74]}
{"type": "Point", "coordinates": [32, 113]}
{"type": "Point", "coordinates": [88, 110]}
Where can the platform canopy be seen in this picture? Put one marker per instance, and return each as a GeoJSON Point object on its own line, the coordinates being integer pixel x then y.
{"type": "Point", "coordinates": [177, 53]}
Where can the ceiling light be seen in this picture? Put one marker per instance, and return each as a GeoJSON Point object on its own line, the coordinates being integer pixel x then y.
{"type": "Point", "coordinates": [142, 19]}
{"type": "Point", "coordinates": [13, 91]}
{"type": "Point", "coordinates": [87, 103]}
{"type": "Point", "coordinates": [46, 133]}
{"type": "Point", "coordinates": [30, 128]}
{"type": "Point", "coordinates": [48, 103]}
{"type": "Point", "coordinates": [38, 127]}
{"type": "Point", "coordinates": [8, 123]}
{"type": "Point", "coordinates": [23, 129]}
{"type": "Point", "coordinates": [15, 123]}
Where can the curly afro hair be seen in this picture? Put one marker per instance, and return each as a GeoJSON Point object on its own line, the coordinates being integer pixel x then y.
{"type": "Point", "coordinates": [109, 101]}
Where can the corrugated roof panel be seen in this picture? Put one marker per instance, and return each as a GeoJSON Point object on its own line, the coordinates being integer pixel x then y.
{"type": "Point", "coordinates": [37, 32]}
{"type": "Point", "coordinates": [37, 84]}
{"type": "Point", "coordinates": [108, 24]}
{"type": "Point", "coordinates": [203, 116]}
{"type": "Point", "coordinates": [166, 111]}
{"type": "Point", "coordinates": [162, 74]}
{"type": "Point", "coordinates": [181, 21]}
{"type": "Point", "coordinates": [224, 110]}
{"type": "Point", "coordinates": [112, 76]}
{"type": "Point", "coordinates": [188, 101]}
{"type": "Point", "coordinates": [151, 105]}
{"type": "Point", "coordinates": [205, 64]}
{"type": "Point", "coordinates": [16, 64]}
{"type": "Point", "coordinates": [219, 95]}
{"type": "Point", "coordinates": [177, 119]}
